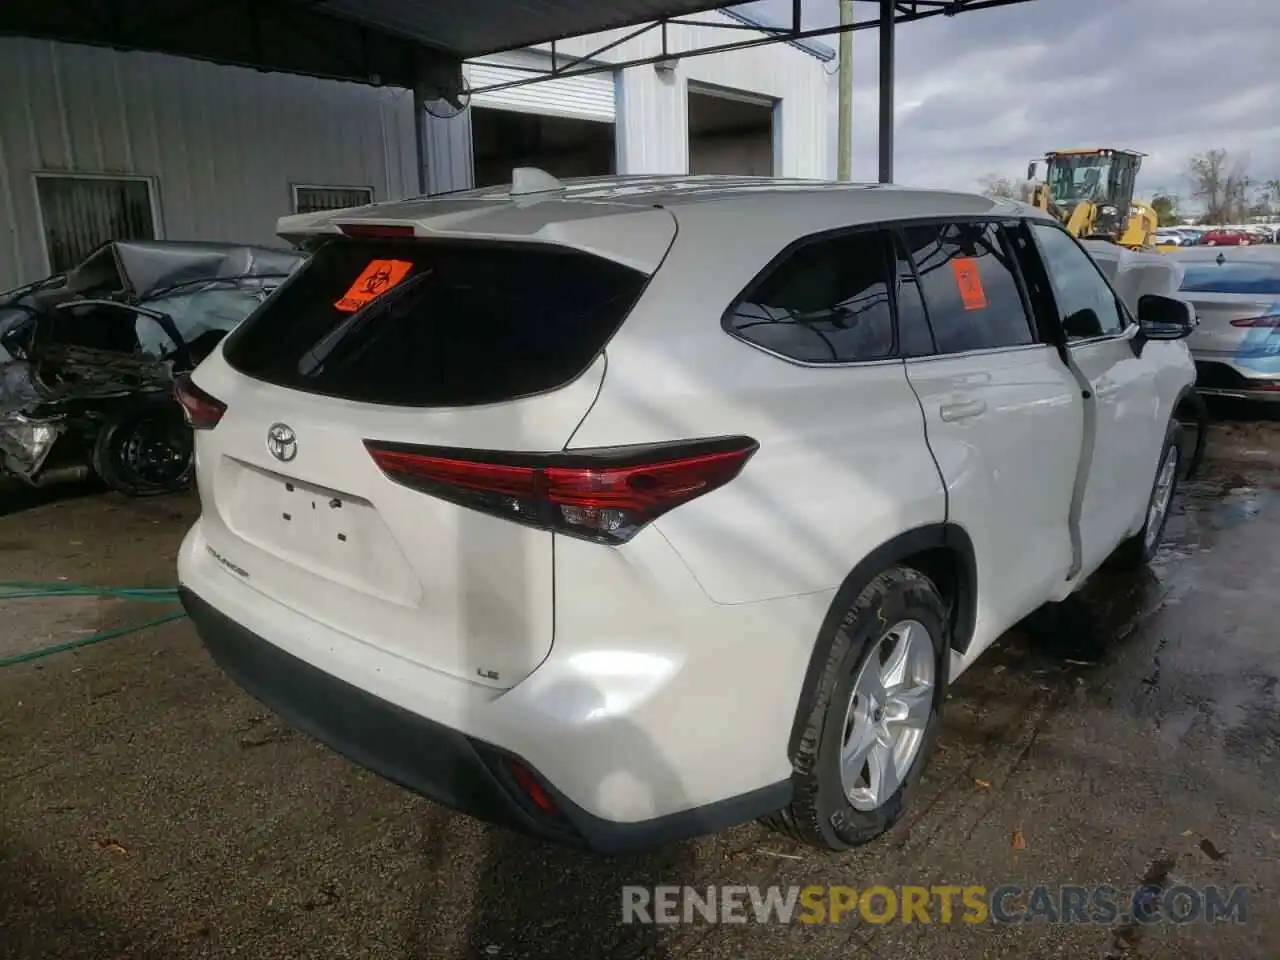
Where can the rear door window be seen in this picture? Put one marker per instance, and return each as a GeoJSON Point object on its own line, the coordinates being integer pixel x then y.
{"type": "Point", "coordinates": [970, 286]}
{"type": "Point", "coordinates": [424, 323]}
{"type": "Point", "coordinates": [915, 338]}
{"type": "Point", "coordinates": [826, 302]}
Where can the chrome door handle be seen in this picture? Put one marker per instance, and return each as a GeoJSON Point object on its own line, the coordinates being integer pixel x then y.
{"type": "Point", "coordinates": [951, 412]}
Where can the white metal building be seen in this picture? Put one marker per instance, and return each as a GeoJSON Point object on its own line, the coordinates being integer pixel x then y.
{"type": "Point", "coordinates": [98, 144]}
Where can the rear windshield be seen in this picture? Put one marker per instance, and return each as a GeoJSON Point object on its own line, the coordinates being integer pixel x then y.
{"type": "Point", "coordinates": [424, 323]}
{"type": "Point", "coordinates": [1250, 278]}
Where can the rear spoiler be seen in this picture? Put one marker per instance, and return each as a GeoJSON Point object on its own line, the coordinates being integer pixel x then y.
{"type": "Point", "coordinates": [302, 228]}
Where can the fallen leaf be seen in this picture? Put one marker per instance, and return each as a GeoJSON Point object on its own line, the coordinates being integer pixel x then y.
{"type": "Point", "coordinates": [1188, 833]}
{"type": "Point", "coordinates": [1019, 842]}
{"type": "Point", "coordinates": [107, 845]}
{"type": "Point", "coordinates": [982, 784]}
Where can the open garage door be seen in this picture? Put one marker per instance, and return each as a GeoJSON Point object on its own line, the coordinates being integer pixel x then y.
{"type": "Point", "coordinates": [730, 133]}
{"type": "Point", "coordinates": [564, 147]}
{"type": "Point", "coordinates": [588, 97]}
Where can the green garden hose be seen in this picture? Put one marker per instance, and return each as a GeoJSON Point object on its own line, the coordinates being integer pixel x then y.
{"type": "Point", "coordinates": [27, 589]}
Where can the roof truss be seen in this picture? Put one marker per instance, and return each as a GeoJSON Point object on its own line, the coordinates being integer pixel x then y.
{"type": "Point", "coordinates": [562, 65]}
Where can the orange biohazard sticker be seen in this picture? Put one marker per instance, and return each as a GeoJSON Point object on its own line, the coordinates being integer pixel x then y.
{"type": "Point", "coordinates": [969, 283]}
{"type": "Point", "coordinates": [375, 280]}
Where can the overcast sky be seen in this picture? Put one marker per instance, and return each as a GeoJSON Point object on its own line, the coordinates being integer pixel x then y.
{"type": "Point", "coordinates": [986, 92]}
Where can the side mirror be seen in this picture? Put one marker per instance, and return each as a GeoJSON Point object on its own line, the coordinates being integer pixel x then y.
{"type": "Point", "coordinates": [1031, 170]}
{"type": "Point", "coordinates": [1165, 318]}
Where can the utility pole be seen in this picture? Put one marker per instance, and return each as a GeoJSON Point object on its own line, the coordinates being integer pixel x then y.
{"type": "Point", "coordinates": [844, 127]}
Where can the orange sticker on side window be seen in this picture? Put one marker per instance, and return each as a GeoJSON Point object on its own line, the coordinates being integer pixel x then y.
{"type": "Point", "coordinates": [374, 280]}
{"type": "Point", "coordinates": [969, 283]}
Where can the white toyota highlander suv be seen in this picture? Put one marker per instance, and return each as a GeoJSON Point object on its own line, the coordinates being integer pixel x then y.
{"type": "Point", "coordinates": [623, 510]}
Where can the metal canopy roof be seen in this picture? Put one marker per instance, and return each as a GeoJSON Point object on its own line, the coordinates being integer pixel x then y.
{"type": "Point", "coordinates": [420, 44]}
{"type": "Point", "coordinates": [471, 28]}
{"type": "Point", "coordinates": [397, 42]}
{"type": "Point", "coordinates": [373, 41]}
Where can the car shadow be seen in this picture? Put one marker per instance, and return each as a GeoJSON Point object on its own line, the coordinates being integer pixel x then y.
{"type": "Point", "coordinates": [536, 899]}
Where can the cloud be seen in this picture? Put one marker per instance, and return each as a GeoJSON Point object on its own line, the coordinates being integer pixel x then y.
{"type": "Point", "coordinates": [985, 92]}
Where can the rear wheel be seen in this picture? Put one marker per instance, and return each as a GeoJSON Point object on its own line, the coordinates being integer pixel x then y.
{"type": "Point", "coordinates": [873, 718]}
{"type": "Point", "coordinates": [145, 450]}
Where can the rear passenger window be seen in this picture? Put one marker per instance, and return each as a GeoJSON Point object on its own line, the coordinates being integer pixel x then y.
{"type": "Point", "coordinates": [828, 302]}
{"type": "Point", "coordinates": [967, 277]}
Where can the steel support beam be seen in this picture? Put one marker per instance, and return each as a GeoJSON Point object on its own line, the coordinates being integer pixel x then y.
{"type": "Point", "coordinates": [887, 73]}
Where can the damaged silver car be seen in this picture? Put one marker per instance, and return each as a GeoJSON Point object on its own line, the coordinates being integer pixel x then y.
{"type": "Point", "coordinates": [88, 358]}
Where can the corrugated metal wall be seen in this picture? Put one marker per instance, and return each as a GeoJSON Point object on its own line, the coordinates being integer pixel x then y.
{"type": "Point", "coordinates": [449, 157]}
{"type": "Point", "coordinates": [222, 145]}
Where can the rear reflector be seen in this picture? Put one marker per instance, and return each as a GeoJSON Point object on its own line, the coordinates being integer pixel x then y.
{"type": "Point", "coordinates": [607, 495]}
{"type": "Point", "coordinates": [201, 410]}
{"type": "Point", "coordinates": [381, 231]}
{"type": "Point", "coordinates": [1272, 321]}
{"type": "Point", "coordinates": [534, 790]}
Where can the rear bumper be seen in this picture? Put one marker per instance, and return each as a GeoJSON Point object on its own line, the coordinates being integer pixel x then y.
{"type": "Point", "coordinates": [434, 760]}
{"type": "Point", "coordinates": [1221, 379]}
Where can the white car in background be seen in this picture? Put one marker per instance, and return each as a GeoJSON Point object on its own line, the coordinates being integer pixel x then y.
{"type": "Point", "coordinates": [1236, 294]}
{"type": "Point", "coordinates": [1173, 238]}
{"type": "Point", "coordinates": [623, 510]}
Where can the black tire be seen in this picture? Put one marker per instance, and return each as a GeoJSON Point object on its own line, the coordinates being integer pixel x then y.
{"type": "Point", "coordinates": [1140, 549]}
{"type": "Point", "coordinates": [820, 814]}
{"type": "Point", "coordinates": [157, 423]}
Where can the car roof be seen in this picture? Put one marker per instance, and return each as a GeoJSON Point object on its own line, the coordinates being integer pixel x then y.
{"type": "Point", "coordinates": [570, 211]}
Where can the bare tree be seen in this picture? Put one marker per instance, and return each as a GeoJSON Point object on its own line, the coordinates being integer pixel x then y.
{"type": "Point", "coordinates": [997, 186]}
{"type": "Point", "coordinates": [1222, 183]}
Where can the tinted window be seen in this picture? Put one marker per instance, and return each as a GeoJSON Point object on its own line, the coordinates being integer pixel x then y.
{"type": "Point", "coordinates": [826, 303]}
{"type": "Point", "coordinates": [970, 288]}
{"type": "Point", "coordinates": [1249, 278]}
{"type": "Point", "coordinates": [915, 339]}
{"type": "Point", "coordinates": [433, 323]}
{"type": "Point", "coordinates": [1086, 304]}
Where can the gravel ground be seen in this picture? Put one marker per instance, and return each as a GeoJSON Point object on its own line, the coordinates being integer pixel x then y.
{"type": "Point", "coordinates": [149, 809]}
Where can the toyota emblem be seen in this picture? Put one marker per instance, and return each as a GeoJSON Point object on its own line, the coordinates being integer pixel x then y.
{"type": "Point", "coordinates": [282, 442]}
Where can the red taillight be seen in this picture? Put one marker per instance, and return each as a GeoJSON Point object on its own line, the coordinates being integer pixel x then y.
{"type": "Point", "coordinates": [202, 410]}
{"type": "Point", "coordinates": [603, 495]}
{"type": "Point", "coordinates": [1272, 321]}
{"type": "Point", "coordinates": [377, 231]}
{"type": "Point", "coordinates": [535, 791]}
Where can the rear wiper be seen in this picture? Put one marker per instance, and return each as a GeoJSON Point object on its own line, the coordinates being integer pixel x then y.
{"type": "Point", "coordinates": [312, 362]}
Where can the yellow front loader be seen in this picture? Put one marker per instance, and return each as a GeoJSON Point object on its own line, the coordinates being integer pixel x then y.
{"type": "Point", "coordinates": [1091, 192]}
